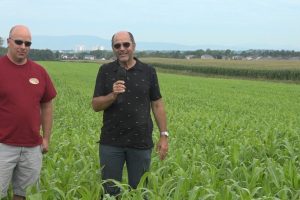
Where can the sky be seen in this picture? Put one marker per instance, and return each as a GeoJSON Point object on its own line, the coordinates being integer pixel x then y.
{"type": "Point", "coordinates": [256, 24]}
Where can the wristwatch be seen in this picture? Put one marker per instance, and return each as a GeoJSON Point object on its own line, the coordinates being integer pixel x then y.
{"type": "Point", "coordinates": [164, 133]}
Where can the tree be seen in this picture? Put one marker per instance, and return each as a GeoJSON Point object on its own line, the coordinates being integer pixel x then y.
{"type": "Point", "coordinates": [1, 41]}
{"type": "Point", "coordinates": [43, 54]}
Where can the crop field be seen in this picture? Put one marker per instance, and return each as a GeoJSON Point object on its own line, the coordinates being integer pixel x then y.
{"type": "Point", "coordinates": [239, 64]}
{"type": "Point", "coordinates": [229, 139]}
{"type": "Point", "coordinates": [287, 70]}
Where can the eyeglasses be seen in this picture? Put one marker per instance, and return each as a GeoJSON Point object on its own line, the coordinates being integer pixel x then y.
{"type": "Point", "coordinates": [20, 42]}
{"type": "Point", "coordinates": [124, 44]}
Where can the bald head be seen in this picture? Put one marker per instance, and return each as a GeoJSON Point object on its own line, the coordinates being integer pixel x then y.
{"type": "Point", "coordinates": [20, 31]}
{"type": "Point", "coordinates": [19, 42]}
{"type": "Point", "coordinates": [120, 34]}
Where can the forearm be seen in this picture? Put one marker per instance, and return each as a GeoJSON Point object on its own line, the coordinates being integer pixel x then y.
{"type": "Point", "coordinates": [47, 119]}
{"type": "Point", "coordinates": [102, 102]}
{"type": "Point", "coordinates": [160, 115]}
{"type": "Point", "coordinates": [161, 121]}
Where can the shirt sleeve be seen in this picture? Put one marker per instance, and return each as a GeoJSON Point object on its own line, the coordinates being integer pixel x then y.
{"type": "Point", "coordinates": [154, 89]}
{"type": "Point", "coordinates": [50, 91]}
{"type": "Point", "coordinates": [99, 85]}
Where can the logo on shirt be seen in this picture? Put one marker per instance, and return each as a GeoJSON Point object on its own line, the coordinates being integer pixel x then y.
{"type": "Point", "coordinates": [34, 81]}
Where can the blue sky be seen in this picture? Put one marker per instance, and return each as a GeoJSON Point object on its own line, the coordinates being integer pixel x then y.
{"type": "Point", "coordinates": [259, 24]}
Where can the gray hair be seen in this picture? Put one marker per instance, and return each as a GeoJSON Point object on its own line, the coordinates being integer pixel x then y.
{"type": "Point", "coordinates": [130, 35]}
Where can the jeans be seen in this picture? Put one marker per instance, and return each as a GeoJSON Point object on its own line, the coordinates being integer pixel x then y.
{"type": "Point", "coordinates": [112, 160]}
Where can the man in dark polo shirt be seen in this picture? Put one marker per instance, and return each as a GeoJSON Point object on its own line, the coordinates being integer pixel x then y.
{"type": "Point", "coordinates": [126, 90]}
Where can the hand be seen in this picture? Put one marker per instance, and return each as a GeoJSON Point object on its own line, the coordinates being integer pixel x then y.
{"type": "Point", "coordinates": [162, 147]}
{"type": "Point", "coordinates": [119, 87]}
{"type": "Point", "coordinates": [45, 146]}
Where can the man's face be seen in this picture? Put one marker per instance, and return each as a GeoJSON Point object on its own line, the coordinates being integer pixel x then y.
{"type": "Point", "coordinates": [123, 47]}
{"type": "Point", "coordinates": [19, 45]}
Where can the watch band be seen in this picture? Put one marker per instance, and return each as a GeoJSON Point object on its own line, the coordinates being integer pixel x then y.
{"type": "Point", "coordinates": [164, 133]}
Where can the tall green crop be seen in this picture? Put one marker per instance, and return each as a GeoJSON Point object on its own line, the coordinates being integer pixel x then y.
{"type": "Point", "coordinates": [229, 139]}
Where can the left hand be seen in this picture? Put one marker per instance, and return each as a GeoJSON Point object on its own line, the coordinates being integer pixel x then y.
{"type": "Point", "coordinates": [162, 147]}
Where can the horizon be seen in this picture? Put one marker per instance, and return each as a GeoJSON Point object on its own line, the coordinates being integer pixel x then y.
{"type": "Point", "coordinates": [243, 24]}
{"type": "Point", "coordinates": [90, 43]}
{"type": "Point", "coordinates": [40, 44]}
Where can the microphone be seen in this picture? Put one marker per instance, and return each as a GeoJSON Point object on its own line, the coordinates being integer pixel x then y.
{"type": "Point", "coordinates": [121, 75]}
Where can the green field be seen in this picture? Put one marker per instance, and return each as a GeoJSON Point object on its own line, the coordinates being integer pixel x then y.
{"type": "Point", "coordinates": [287, 70]}
{"type": "Point", "coordinates": [230, 139]}
{"type": "Point", "coordinates": [239, 64]}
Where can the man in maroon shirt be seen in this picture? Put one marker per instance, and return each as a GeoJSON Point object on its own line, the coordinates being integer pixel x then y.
{"type": "Point", "coordinates": [26, 93]}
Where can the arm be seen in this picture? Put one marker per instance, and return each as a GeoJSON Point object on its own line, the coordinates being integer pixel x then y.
{"type": "Point", "coordinates": [161, 121]}
{"type": "Point", "coordinates": [47, 120]}
{"type": "Point", "coordinates": [102, 102]}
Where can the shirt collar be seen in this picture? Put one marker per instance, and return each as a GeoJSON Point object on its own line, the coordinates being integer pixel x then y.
{"type": "Point", "coordinates": [137, 65]}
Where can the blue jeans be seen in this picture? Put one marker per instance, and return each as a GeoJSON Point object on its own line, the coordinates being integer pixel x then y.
{"type": "Point", "coordinates": [112, 160]}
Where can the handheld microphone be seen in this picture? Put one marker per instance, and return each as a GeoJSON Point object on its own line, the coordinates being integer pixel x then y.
{"type": "Point", "coordinates": [121, 75]}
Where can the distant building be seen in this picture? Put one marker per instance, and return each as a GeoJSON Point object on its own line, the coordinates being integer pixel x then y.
{"type": "Point", "coordinates": [207, 57]}
{"type": "Point", "coordinates": [248, 58]}
{"type": "Point", "coordinates": [189, 57]}
{"type": "Point", "coordinates": [237, 57]}
{"type": "Point", "coordinates": [79, 48]}
{"type": "Point", "coordinates": [89, 57]}
{"type": "Point", "coordinates": [101, 48]}
{"type": "Point", "coordinates": [69, 57]}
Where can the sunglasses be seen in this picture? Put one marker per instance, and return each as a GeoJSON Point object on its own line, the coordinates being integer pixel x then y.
{"type": "Point", "coordinates": [20, 42]}
{"type": "Point", "coordinates": [124, 44]}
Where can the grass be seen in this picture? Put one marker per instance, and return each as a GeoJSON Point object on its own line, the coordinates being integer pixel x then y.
{"type": "Point", "coordinates": [229, 139]}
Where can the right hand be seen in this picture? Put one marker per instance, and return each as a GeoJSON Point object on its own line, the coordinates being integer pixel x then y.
{"type": "Point", "coordinates": [119, 87]}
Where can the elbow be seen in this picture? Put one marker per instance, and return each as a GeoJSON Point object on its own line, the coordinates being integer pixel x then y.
{"type": "Point", "coordinates": [94, 106]}
{"type": "Point", "coordinates": [95, 109]}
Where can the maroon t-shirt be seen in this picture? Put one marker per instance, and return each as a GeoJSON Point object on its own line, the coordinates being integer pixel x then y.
{"type": "Point", "coordinates": [22, 90]}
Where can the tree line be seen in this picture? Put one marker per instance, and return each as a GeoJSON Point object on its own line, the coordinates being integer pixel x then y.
{"type": "Point", "coordinates": [46, 54]}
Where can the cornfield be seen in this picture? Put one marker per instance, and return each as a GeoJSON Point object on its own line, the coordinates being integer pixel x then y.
{"type": "Point", "coordinates": [229, 139]}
